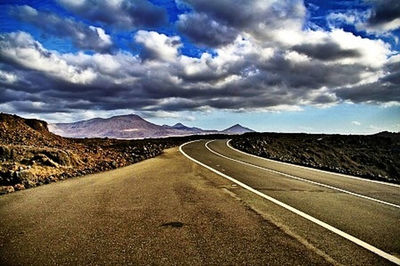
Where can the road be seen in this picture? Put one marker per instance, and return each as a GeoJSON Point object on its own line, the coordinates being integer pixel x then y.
{"type": "Point", "coordinates": [170, 210]}
{"type": "Point", "coordinates": [361, 210]}
{"type": "Point", "coordinates": [162, 211]}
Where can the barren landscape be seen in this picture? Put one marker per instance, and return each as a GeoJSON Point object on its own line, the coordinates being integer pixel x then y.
{"type": "Point", "coordinates": [139, 213]}
{"type": "Point", "coordinates": [370, 156]}
{"type": "Point", "coordinates": [32, 156]}
{"type": "Point", "coordinates": [199, 132]}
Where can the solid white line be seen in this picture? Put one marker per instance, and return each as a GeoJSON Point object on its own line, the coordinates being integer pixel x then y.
{"type": "Point", "coordinates": [302, 179]}
{"type": "Point", "coordinates": [298, 212]}
{"type": "Point", "coordinates": [312, 169]}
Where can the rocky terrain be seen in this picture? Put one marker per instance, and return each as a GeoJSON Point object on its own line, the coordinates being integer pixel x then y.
{"type": "Point", "coordinates": [372, 156]}
{"type": "Point", "coordinates": [132, 127]}
{"type": "Point", "coordinates": [30, 155]}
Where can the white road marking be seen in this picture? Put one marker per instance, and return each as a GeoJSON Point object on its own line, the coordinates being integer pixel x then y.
{"type": "Point", "coordinates": [302, 179]}
{"type": "Point", "coordinates": [339, 232]}
{"type": "Point", "coordinates": [313, 169]}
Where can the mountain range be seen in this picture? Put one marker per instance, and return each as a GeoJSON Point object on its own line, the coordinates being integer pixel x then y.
{"type": "Point", "coordinates": [132, 127]}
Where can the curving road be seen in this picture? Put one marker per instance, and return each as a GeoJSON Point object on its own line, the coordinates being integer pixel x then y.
{"type": "Point", "coordinates": [162, 211]}
{"type": "Point", "coordinates": [352, 216]}
{"type": "Point", "coordinates": [170, 210]}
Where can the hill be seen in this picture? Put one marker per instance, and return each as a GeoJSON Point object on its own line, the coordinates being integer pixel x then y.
{"type": "Point", "coordinates": [124, 126]}
{"type": "Point", "coordinates": [237, 129]}
{"type": "Point", "coordinates": [132, 127]}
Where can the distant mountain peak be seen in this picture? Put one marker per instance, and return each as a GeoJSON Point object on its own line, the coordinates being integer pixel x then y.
{"type": "Point", "coordinates": [237, 129]}
{"type": "Point", "coordinates": [179, 125]}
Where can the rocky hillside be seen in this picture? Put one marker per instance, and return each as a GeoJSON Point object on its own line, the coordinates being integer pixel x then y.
{"type": "Point", "coordinates": [30, 155]}
{"type": "Point", "coordinates": [373, 156]}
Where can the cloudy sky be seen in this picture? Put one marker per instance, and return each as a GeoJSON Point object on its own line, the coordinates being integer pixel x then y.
{"type": "Point", "coordinates": [272, 65]}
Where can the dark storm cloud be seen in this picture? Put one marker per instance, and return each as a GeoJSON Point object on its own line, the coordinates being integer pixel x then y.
{"type": "Point", "coordinates": [123, 14]}
{"type": "Point", "coordinates": [384, 11]}
{"type": "Point", "coordinates": [242, 13]}
{"type": "Point", "coordinates": [376, 92]}
{"type": "Point", "coordinates": [280, 71]}
{"type": "Point", "coordinates": [8, 95]}
{"type": "Point", "coordinates": [205, 31]}
{"type": "Point", "coordinates": [252, 16]}
{"type": "Point", "coordinates": [393, 78]}
{"type": "Point", "coordinates": [32, 107]}
{"type": "Point", "coordinates": [386, 89]}
{"type": "Point", "coordinates": [326, 51]}
{"type": "Point", "coordinates": [217, 23]}
{"type": "Point", "coordinates": [83, 36]}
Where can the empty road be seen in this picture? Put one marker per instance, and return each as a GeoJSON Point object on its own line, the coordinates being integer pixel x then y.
{"type": "Point", "coordinates": [162, 211]}
{"type": "Point", "coordinates": [170, 210]}
{"type": "Point", "coordinates": [361, 212]}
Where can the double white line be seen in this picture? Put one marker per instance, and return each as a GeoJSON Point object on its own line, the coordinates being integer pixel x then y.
{"type": "Point", "coordinates": [294, 210]}
{"type": "Point", "coordinates": [313, 169]}
{"type": "Point", "coordinates": [299, 178]}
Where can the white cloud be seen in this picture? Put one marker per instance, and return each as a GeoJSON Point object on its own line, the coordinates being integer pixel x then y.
{"type": "Point", "coordinates": [374, 53]}
{"type": "Point", "coordinates": [21, 48]}
{"type": "Point", "coordinates": [158, 46]}
{"type": "Point", "coordinates": [356, 123]}
{"type": "Point", "coordinates": [105, 38]}
{"type": "Point", "coordinates": [8, 77]}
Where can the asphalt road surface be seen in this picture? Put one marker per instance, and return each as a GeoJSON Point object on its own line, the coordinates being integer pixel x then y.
{"type": "Point", "coordinates": [368, 211]}
{"type": "Point", "coordinates": [169, 210]}
{"type": "Point", "coordinates": [162, 211]}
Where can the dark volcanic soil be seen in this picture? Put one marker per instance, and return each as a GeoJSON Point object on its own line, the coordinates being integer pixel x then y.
{"type": "Point", "coordinates": [372, 156]}
{"type": "Point", "coordinates": [30, 155]}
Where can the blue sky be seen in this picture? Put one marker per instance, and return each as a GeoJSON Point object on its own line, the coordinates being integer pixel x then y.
{"type": "Point", "coordinates": [285, 66]}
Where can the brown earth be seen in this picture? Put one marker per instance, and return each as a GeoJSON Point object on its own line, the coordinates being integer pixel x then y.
{"type": "Point", "coordinates": [370, 156]}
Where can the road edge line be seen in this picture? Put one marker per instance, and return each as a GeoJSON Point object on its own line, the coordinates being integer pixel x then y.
{"type": "Point", "coordinates": [304, 179]}
{"type": "Point", "coordinates": [312, 169]}
{"type": "Point", "coordinates": [306, 216]}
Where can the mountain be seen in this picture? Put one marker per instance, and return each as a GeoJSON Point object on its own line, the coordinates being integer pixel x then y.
{"type": "Point", "coordinates": [123, 127]}
{"type": "Point", "coordinates": [193, 130]}
{"type": "Point", "coordinates": [182, 127]}
{"type": "Point", "coordinates": [237, 129]}
{"type": "Point", "coordinates": [131, 127]}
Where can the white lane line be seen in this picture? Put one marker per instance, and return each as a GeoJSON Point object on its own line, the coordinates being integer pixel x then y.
{"type": "Point", "coordinates": [312, 169]}
{"type": "Point", "coordinates": [302, 179]}
{"type": "Point", "coordinates": [339, 232]}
